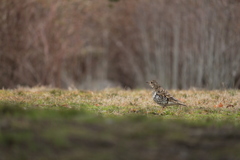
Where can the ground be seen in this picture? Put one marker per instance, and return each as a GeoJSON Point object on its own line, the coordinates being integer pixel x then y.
{"type": "Point", "coordinates": [46, 123]}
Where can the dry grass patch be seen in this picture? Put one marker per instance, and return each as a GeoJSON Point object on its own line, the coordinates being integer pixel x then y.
{"type": "Point", "coordinates": [121, 102]}
{"type": "Point", "coordinates": [119, 97]}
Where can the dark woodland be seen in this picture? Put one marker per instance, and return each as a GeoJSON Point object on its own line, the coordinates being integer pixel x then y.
{"type": "Point", "coordinates": [94, 44]}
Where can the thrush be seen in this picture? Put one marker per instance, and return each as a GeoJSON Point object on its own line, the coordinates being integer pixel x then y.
{"type": "Point", "coordinates": [162, 97]}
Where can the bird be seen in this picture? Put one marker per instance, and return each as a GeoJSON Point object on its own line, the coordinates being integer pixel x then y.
{"type": "Point", "coordinates": [162, 97]}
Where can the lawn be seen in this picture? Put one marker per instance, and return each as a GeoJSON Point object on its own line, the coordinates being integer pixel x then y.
{"type": "Point", "coordinates": [46, 123]}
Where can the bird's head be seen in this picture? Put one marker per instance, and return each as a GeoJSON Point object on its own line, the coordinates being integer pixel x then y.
{"type": "Point", "coordinates": [153, 84]}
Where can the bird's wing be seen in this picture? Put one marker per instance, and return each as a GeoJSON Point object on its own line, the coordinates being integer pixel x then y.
{"type": "Point", "coordinates": [165, 93]}
{"type": "Point", "coordinates": [169, 96]}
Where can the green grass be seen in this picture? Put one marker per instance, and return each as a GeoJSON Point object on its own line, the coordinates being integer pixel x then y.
{"type": "Point", "coordinates": [43, 123]}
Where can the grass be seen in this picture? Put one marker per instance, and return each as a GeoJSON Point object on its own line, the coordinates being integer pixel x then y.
{"type": "Point", "coordinates": [45, 123]}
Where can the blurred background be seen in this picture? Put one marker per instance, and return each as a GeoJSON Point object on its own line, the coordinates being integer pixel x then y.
{"type": "Point", "coordinates": [93, 44]}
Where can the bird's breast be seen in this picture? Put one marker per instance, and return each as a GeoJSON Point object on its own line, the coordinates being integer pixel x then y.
{"type": "Point", "coordinates": [154, 94]}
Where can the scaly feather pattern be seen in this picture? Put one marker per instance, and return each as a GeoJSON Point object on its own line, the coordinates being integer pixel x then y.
{"type": "Point", "coordinates": [162, 97]}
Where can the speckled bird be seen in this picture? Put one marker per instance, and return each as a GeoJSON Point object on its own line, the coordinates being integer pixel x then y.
{"type": "Point", "coordinates": [162, 97]}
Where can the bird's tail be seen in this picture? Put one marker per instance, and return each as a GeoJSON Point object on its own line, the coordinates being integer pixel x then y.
{"type": "Point", "coordinates": [179, 103]}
